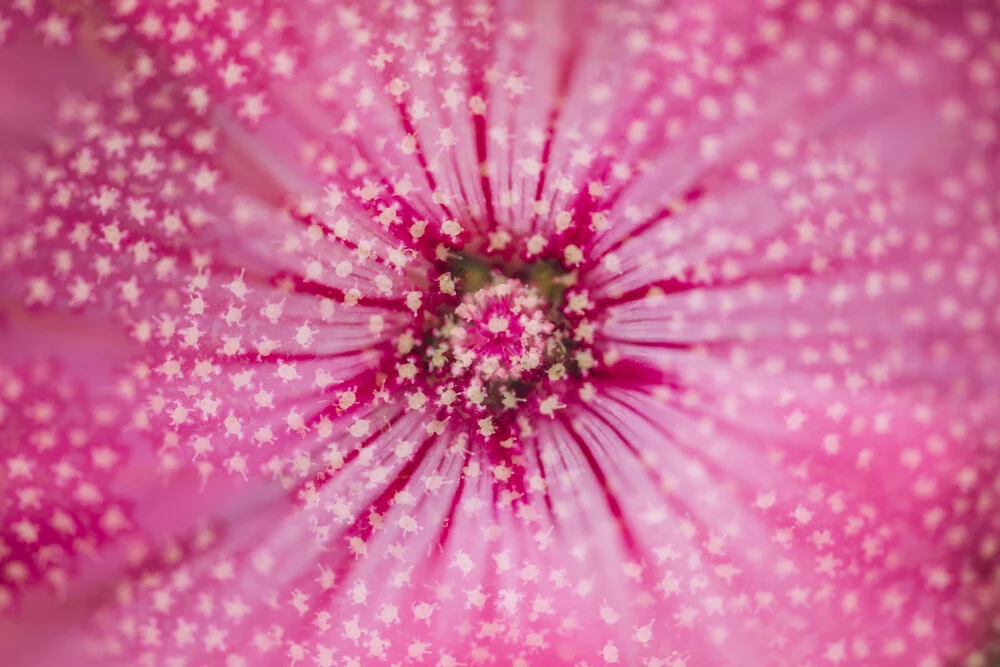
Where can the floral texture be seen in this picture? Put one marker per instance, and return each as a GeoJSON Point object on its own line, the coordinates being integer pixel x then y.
{"type": "Point", "coordinates": [528, 332]}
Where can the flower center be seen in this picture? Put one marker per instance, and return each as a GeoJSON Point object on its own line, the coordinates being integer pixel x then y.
{"type": "Point", "coordinates": [495, 344]}
{"type": "Point", "coordinates": [500, 332]}
{"type": "Point", "coordinates": [495, 350]}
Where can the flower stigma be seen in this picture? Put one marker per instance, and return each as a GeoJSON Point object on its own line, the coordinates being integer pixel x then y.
{"type": "Point", "coordinates": [500, 349]}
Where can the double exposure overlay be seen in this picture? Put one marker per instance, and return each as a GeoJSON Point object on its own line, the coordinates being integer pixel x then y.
{"type": "Point", "coordinates": [499, 332]}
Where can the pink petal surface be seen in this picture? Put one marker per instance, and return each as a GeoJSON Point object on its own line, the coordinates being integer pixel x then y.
{"type": "Point", "coordinates": [247, 419]}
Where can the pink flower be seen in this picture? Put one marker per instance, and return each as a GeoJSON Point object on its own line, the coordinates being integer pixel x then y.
{"type": "Point", "coordinates": [515, 333]}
